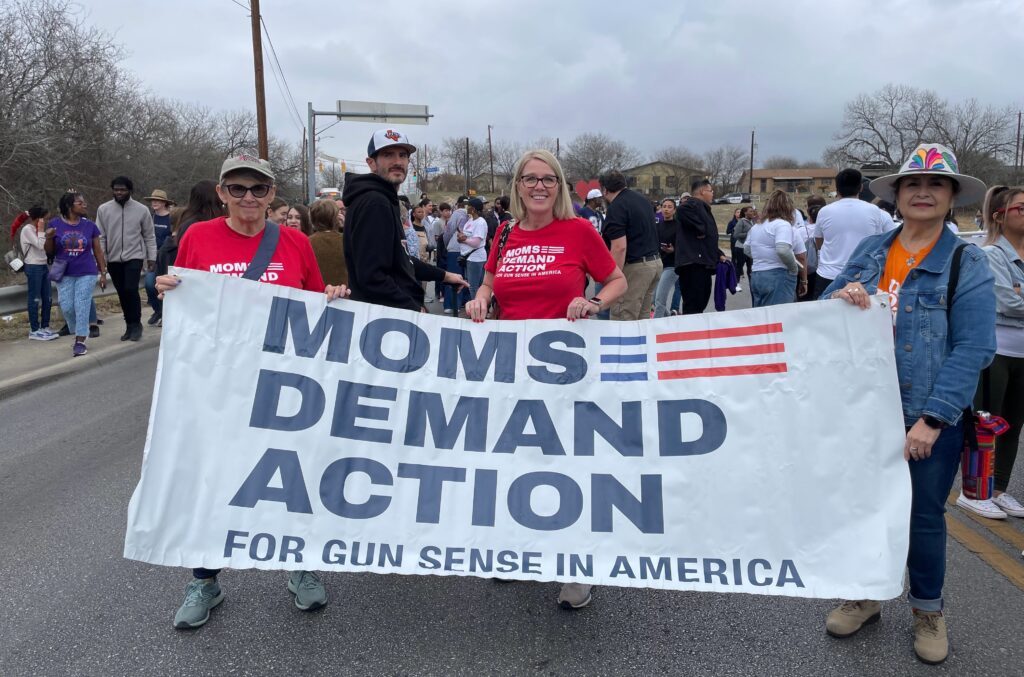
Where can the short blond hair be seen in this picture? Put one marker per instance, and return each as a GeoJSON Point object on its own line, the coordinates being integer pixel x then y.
{"type": "Point", "coordinates": [563, 202]}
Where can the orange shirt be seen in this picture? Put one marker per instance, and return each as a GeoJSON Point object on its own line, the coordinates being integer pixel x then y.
{"type": "Point", "coordinates": [898, 265]}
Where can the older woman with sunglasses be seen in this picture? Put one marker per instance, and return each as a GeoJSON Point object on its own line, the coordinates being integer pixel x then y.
{"type": "Point", "coordinates": [942, 343]}
{"type": "Point", "coordinates": [227, 245]}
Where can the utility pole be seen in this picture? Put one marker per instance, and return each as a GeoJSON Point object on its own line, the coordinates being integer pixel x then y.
{"type": "Point", "coordinates": [261, 99]}
{"type": "Point", "coordinates": [750, 176]}
{"type": "Point", "coordinates": [1017, 152]}
{"type": "Point", "coordinates": [490, 153]}
{"type": "Point", "coordinates": [558, 148]}
{"type": "Point", "coordinates": [467, 165]}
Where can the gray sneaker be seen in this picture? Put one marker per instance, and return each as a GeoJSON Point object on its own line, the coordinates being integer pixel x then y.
{"type": "Point", "coordinates": [308, 590]}
{"type": "Point", "coordinates": [201, 595]}
{"type": "Point", "coordinates": [574, 596]}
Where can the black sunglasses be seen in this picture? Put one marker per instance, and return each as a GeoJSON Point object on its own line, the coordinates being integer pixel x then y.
{"type": "Point", "coordinates": [237, 190]}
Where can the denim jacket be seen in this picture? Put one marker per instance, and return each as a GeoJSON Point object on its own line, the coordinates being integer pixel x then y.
{"type": "Point", "coordinates": [1008, 270]}
{"type": "Point", "coordinates": [938, 356]}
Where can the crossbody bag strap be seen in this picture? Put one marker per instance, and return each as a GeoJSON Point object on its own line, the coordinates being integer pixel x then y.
{"type": "Point", "coordinates": [954, 278]}
{"type": "Point", "coordinates": [265, 252]}
{"type": "Point", "coordinates": [503, 240]}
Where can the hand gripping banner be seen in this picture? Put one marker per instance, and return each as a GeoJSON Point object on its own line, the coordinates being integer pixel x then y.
{"type": "Point", "coordinates": [754, 451]}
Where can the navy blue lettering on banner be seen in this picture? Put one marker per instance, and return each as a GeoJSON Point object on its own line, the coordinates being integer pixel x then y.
{"type": "Point", "coordinates": [432, 479]}
{"type": "Point", "coordinates": [470, 414]}
{"type": "Point", "coordinates": [485, 490]}
{"type": "Point", "coordinates": [590, 420]}
{"type": "Point", "coordinates": [570, 501]}
{"type": "Point", "coordinates": [347, 408]}
{"type": "Point", "coordinates": [647, 513]}
{"type": "Point", "coordinates": [514, 434]}
{"type": "Point", "coordinates": [499, 349]}
{"type": "Point", "coordinates": [332, 488]}
{"type": "Point", "coordinates": [574, 365]}
{"type": "Point", "coordinates": [334, 325]}
{"type": "Point", "coordinates": [268, 397]}
{"type": "Point", "coordinates": [372, 340]}
{"type": "Point", "coordinates": [670, 427]}
{"type": "Point", "coordinates": [256, 486]}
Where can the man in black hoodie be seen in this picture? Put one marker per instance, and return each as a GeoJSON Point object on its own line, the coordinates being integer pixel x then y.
{"type": "Point", "coordinates": [380, 269]}
{"type": "Point", "coordinates": [697, 251]}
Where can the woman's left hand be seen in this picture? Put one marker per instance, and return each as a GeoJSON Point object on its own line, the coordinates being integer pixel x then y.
{"type": "Point", "coordinates": [920, 441]}
{"type": "Point", "coordinates": [102, 280]}
{"type": "Point", "coordinates": [580, 308]}
{"type": "Point", "coordinates": [339, 292]}
{"type": "Point", "coordinates": [854, 293]}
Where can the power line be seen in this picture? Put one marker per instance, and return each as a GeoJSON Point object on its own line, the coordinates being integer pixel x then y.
{"type": "Point", "coordinates": [245, 7]}
{"type": "Point", "coordinates": [289, 99]}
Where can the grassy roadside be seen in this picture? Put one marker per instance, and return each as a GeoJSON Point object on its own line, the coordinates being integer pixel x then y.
{"type": "Point", "coordinates": [17, 327]}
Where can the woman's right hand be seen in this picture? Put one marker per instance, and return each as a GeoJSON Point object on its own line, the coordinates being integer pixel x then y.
{"type": "Point", "coordinates": [476, 310]}
{"type": "Point", "coordinates": [854, 293]}
{"type": "Point", "coordinates": [165, 283]}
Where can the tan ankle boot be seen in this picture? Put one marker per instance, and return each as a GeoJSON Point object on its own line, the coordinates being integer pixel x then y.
{"type": "Point", "coordinates": [851, 616]}
{"type": "Point", "coordinates": [930, 642]}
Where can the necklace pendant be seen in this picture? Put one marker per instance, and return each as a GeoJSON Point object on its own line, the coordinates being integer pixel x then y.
{"type": "Point", "coordinates": [911, 261]}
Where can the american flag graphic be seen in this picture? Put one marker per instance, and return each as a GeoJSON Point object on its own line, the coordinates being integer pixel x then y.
{"type": "Point", "coordinates": [732, 351]}
{"type": "Point", "coordinates": [552, 250]}
{"type": "Point", "coordinates": [623, 358]}
{"type": "Point", "coordinates": [276, 267]}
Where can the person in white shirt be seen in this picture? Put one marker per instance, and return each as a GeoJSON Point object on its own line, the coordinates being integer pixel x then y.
{"type": "Point", "coordinates": [32, 237]}
{"type": "Point", "coordinates": [472, 237]}
{"type": "Point", "coordinates": [842, 225]}
{"type": "Point", "coordinates": [779, 255]}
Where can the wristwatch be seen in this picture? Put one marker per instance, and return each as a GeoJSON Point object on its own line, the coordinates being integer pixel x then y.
{"type": "Point", "coordinates": [596, 301]}
{"type": "Point", "coordinates": [934, 423]}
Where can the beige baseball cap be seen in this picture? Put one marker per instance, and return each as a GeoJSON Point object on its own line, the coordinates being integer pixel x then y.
{"type": "Point", "coordinates": [251, 162]}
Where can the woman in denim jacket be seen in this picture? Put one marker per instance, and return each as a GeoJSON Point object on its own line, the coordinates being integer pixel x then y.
{"type": "Point", "coordinates": [941, 346]}
{"type": "Point", "coordinates": [1002, 393]}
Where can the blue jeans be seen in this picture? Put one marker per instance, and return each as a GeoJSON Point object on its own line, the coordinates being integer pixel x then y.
{"type": "Point", "coordinates": [772, 287]}
{"type": "Point", "coordinates": [475, 271]}
{"type": "Point", "coordinates": [931, 480]}
{"type": "Point", "coordinates": [664, 295]}
{"type": "Point", "coordinates": [75, 294]}
{"type": "Point", "coordinates": [38, 294]}
{"type": "Point", "coordinates": [450, 302]}
{"type": "Point", "coordinates": [154, 303]}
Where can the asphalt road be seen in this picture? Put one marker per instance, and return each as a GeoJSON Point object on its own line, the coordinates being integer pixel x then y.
{"type": "Point", "coordinates": [70, 455]}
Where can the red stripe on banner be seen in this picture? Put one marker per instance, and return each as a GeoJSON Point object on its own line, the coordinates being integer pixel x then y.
{"type": "Point", "coordinates": [723, 371]}
{"type": "Point", "coordinates": [752, 330]}
{"type": "Point", "coordinates": [704, 353]}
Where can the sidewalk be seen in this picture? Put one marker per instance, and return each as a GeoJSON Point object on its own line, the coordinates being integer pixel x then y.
{"type": "Point", "coordinates": [25, 364]}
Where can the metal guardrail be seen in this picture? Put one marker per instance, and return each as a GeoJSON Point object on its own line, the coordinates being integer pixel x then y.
{"type": "Point", "coordinates": [14, 299]}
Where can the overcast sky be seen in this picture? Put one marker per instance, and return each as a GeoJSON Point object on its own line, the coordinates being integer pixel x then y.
{"type": "Point", "coordinates": [652, 73]}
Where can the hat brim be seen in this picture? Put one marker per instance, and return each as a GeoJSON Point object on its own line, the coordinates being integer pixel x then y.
{"type": "Point", "coordinates": [408, 146]}
{"type": "Point", "coordinates": [971, 189]}
{"type": "Point", "coordinates": [168, 200]}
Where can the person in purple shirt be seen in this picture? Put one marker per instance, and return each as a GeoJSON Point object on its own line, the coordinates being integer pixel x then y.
{"type": "Point", "coordinates": [74, 242]}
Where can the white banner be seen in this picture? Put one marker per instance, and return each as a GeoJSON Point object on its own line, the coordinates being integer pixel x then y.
{"type": "Point", "coordinates": [753, 451]}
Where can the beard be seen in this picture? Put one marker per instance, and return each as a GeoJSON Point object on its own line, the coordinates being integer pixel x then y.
{"type": "Point", "coordinates": [386, 175]}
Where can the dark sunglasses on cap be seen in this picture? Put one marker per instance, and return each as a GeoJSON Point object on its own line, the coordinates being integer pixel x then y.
{"type": "Point", "coordinates": [237, 190]}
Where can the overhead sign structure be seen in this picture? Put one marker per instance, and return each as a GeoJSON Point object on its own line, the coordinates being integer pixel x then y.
{"type": "Point", "coordinates": [433, 170]}
{"type": "Point", "coordinates": [359, 111]}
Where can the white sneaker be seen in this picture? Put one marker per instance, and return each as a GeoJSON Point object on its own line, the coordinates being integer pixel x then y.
{"type": "Point", "coordinates": [739, 288]}
{"type": "Point", "coordinates": [37, 336]}
{"type": "Point", "coordinates": [984, 508]}
{"type": "Point", "coordinates": [1010, 505]}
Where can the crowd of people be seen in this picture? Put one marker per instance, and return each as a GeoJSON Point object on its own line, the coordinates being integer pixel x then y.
{"type": "Point", "coordinates": [613, 256]}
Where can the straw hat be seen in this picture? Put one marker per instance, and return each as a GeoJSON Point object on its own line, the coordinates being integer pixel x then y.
{"type": "Point", "coordinates": [931, 158]}
{"type": "Point", "coordinates": [159, 195]}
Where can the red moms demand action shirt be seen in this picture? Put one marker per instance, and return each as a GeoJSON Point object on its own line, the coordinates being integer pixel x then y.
{"type": "Point", "coordinates": [213, 247]}
{"type": "Point", "coordinates": [543, 270]}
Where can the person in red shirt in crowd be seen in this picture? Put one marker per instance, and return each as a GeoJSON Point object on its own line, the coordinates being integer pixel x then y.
{"type": "Point", "coordinates": [538, 272]}
{"type": "Point", "coordinates": [226, 245]}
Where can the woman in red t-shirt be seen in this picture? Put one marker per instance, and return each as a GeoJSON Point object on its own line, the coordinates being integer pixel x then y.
{"type": "Point", "coordinates": [541, 271]}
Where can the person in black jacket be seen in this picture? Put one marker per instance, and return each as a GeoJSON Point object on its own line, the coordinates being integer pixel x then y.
{"type": "Point", "coordinates": [697, 251]}
{"type": "Point", "coordinates": [380, 269]}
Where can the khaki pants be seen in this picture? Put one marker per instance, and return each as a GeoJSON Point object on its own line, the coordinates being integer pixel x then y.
{"type": "Point", "coordinates": [642, 278]}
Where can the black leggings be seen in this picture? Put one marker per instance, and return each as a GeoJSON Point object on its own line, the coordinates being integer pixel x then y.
{"type": "Point", "coordinates": [1005, 399]}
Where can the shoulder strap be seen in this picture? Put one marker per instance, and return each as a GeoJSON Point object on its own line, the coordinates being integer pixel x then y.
{"type": "Point", "coordinates": [954, 275]}
{"type": "Point", "coordinates": [503, 240]}
{"type": "Point", "coordinates": [261, 259]}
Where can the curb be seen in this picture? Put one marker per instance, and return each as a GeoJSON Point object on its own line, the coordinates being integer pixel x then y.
{"type": "Point", "coordinates": [94, 358]}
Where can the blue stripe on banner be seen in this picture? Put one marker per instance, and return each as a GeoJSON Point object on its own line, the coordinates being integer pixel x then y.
{"type": "Point", "coordinates": [623, 359]}
{"type": "Point", "coordinates": [623, 340]}
{"type": "Point", "coordinates": [635, 376]}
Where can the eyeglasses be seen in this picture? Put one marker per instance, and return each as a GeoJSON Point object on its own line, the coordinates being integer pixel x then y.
{"type": "Point", "coordinates": [547, 181]}
{"type": "Point", "coordinates": [1015, 208]}
{"type": "Point", "coordinates": [237, 190]}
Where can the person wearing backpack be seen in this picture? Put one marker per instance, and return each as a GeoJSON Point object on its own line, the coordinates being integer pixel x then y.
{"type": "Point", "coordinates": [942, 299]}
{"type": "Point", "coordinates": [30, 243]}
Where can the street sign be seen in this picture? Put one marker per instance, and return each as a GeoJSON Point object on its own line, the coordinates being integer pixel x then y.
{"type": "Point", "coordinates": [393, 113]}
{"type": "Point", "coordinates": [433, 170]}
